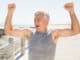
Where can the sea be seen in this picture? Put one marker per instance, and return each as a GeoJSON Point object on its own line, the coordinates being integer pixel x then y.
{"type": "Point", "coordinates": [32, 27]}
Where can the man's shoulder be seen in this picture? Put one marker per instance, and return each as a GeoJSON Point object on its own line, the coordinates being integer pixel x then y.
{"type": "Point", "coordinates": [56, 31]}
{"type": "Point", "coordinates": [55, 34]}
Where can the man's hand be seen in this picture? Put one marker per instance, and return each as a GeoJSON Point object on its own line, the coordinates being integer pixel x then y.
{"type": "Point", "coordinates": [11, 7]}
{"type": "Point", "coordinates": [69, 7]}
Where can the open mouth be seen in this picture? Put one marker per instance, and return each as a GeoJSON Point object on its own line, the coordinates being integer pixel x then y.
{"type": "Point", "coordinates": [37, 26]}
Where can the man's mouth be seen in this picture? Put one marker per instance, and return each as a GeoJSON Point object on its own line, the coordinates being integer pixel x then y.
{"type": "Point", "coordinates": [37, 26]}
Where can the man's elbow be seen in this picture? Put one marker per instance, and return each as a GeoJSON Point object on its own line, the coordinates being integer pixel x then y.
{"type": "Point", "coordinates": [76, 31]}
{"type": "Point", "coordinates": [7, 32]}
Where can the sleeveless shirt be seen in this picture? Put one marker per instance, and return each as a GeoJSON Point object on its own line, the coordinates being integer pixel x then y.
{"type": "Point", "coordinates": [41, 46]}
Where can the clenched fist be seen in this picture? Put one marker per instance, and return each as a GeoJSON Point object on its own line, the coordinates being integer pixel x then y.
{"type": "Point", "coordinates": [11, 7]}
{"type": "Point", "coordinates": [69, 7]}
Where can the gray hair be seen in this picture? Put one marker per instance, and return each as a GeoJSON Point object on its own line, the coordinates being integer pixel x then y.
{"type": "Point", "coordinates": [42, 14]}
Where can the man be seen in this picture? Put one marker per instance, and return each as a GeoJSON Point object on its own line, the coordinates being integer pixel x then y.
{"type": "Point", "coordinates": [41, 44]}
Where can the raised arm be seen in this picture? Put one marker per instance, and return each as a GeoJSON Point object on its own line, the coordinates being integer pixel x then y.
{"type": "Point", "coordinates": [8, 24]}
{"type": "Point", "coordinates": [74, 24]}
{"type": "Point", "coordinates": [74, 21]}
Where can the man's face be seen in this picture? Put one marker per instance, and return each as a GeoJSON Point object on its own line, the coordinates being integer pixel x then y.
{"type": "Point", "coordinates": [41, 23]}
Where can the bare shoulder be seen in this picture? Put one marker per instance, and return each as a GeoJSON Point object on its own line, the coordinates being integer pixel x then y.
{"type": "Point", "coordinates": [61, 33]}
{"type": "Point", "coordinates": [27, 32]}
{"type": "Point", "coordinates": [55, 35]}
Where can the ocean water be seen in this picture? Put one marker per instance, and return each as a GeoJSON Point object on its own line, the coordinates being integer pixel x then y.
{"type": "Point", "coordinates": [32, 27]}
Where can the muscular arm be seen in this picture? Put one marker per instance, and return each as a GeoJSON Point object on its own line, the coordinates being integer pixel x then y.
{"type": "Point", "coordinates": [8, 25]}
{"type": "Point", "coordinates": [74, 24]}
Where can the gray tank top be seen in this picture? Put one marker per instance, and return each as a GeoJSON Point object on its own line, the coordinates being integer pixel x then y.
{"type": "Point", "coordinates": [41, 47]}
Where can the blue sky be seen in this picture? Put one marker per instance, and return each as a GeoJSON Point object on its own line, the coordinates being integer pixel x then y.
{"type": "Point", "coordinates": [25, 9]}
